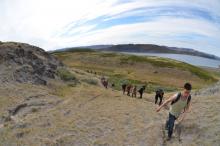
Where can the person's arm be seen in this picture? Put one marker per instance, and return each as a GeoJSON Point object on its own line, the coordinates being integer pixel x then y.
{"type": "Point", "coordinates": [166, 102]}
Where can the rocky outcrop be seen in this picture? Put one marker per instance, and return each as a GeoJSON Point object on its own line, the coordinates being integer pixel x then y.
{"type": "Point", "coordinates": [23, 63]}
{"type": "Point", "coordinates": [209, 91]}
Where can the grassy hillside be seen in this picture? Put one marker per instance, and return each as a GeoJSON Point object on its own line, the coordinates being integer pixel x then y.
{"type": "Point", "coordinates": [151, 71]}
{"type": "Point", "coordinates": [77, 110]}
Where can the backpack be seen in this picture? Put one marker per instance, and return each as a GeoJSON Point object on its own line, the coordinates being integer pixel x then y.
{"type": "Point", "coordinates": [178, 97]}
{"type": "Point", "coordinates": [159, 91]}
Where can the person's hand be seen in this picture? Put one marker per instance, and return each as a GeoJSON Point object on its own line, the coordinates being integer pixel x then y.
{"type": "Point", "coordinates": [181, 117]}
{"type": "Point", "coordinates": [158, 109]}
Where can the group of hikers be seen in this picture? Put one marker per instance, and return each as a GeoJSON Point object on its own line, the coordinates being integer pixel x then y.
{"type": "Point", "coordinates": [132, 90]}
{"type": "Point", "coordinates": [179, 103]}
{"type": "Point", "coordinates": [105, 83]}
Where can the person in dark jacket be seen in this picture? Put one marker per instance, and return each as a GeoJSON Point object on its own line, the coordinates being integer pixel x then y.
{"type": "Point", "coordinates": [123, 86]}
{"type": "Point", "coordinates": [129, 87]}
{"type": "Point", "coordinates": [159, 94]}
{"type": "Point", "coordinates": [141, 91]}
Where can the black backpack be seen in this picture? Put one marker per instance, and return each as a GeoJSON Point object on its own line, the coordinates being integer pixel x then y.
{"type": "Point", "coordinates": [178, 97]}
{"type": "Point", "coordinates": [159, 91]}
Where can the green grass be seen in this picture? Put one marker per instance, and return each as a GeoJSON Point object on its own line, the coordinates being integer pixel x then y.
{"type": "Point", "coordinates": [65, 75]}
{"type": "Point", "coordinates": [163, 62]}
{"type": "Point", "coordinates": [130, 68]}
{"type": "Point", "coordinates": [108, 55]}
{"type": "Point", "coordinates": [91, 81]}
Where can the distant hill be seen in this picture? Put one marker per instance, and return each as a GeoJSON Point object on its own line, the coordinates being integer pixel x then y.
{"type": "Point", "coordinates": [145, 48]}
{"type": "Point", "coordinates": [149, 48]}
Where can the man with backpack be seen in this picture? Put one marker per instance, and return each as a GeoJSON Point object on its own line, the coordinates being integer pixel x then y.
{"type": "Point", "coordinates": [141, 91]}
{"type": "Point", "coordinates": [180, 104]}
{"type": "Point", "coordinates": [159, 94]}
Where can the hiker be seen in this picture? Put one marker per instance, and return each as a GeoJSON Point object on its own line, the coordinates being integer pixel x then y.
{"type": "Point", "coordinates": [180, 104]}
{"type": "Point", "coordinates": [134, 91]}
{"type": "Point", "coordinates": [129, 89]}
{"type": "Point", "coordinates": [141, 91]}
{"type": "Point", "coordinates": [102, 80]}
{"type": "Point", "coordinates": [106, 84]}
{"type": "Point", "coordinates": [113, 86]}
{"type": "Point", "coordinates": [123, 86]}
{"type": "Point", "coordinates": [159, 94]}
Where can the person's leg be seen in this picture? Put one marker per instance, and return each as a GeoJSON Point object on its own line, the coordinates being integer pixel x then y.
{"type": "Point", "coordinates": [160, 100]}
{"type": "Point", "coordinates": [167, 124]}
{"type": "Point", "coordinates": [171, 125]}
{"type": "Point", "coordinates": [156, 98]}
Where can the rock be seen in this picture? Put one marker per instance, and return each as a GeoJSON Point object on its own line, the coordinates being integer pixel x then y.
{"type": "Point", "coordinates": [17, 108]}
{"type": "Point", "coordinates": [24, 63]}
{"type": "Point", "coordinates": [210, 91]}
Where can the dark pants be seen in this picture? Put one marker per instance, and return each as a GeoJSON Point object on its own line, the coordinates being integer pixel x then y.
{"type": "Point", "coordinates": [123, 88]}
{"type": "Point", "coordinates": [156, 99]}
{"type": "Point", "coordinates": [128, 92]}
{"type": "Point", "coordinates": [141, 94]}
{"type": "Point", "coordinates": [170, 124]}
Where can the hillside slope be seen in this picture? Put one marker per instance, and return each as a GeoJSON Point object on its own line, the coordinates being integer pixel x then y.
{"type": "Point", "coordinates": [154, 71]}
{"type": "Point", "coordinates": [91, 115]}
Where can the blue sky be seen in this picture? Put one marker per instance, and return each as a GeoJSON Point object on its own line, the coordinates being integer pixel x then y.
{"type": "Point", "coordinates": [53, 24]}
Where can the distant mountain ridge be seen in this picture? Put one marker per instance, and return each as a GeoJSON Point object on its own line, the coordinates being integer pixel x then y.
{"type": "Point", "coordinates": [145, 48]}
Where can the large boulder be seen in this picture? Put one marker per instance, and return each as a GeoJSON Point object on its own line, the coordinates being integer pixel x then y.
{"type": "Point", "coordinates": [24, 63]}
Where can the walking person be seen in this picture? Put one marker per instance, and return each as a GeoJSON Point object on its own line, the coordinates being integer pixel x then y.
{"type": "Point", "coordinates": [159, 94]}
{"type": "Point", "coordinates": [141, 91]}
{"type": "Point", "coordinates": [134, 91]}
{"type": "Point", "coordinates": [123, 86]}
{"type": "Point", "coordinates": [180, 105]}
{"type": "Point", "coordinates": [129, 90]}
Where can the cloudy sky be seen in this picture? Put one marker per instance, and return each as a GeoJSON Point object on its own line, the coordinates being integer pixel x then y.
{"type": "Point", "coordinates": [53, 24]}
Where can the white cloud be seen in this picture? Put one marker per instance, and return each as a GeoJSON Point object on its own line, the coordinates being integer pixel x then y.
{"type": "Point", "coordinates": [42, 22]}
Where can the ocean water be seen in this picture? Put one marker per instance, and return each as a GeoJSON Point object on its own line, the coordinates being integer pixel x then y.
{"type": "Point", "coordinates": [194, 60]}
